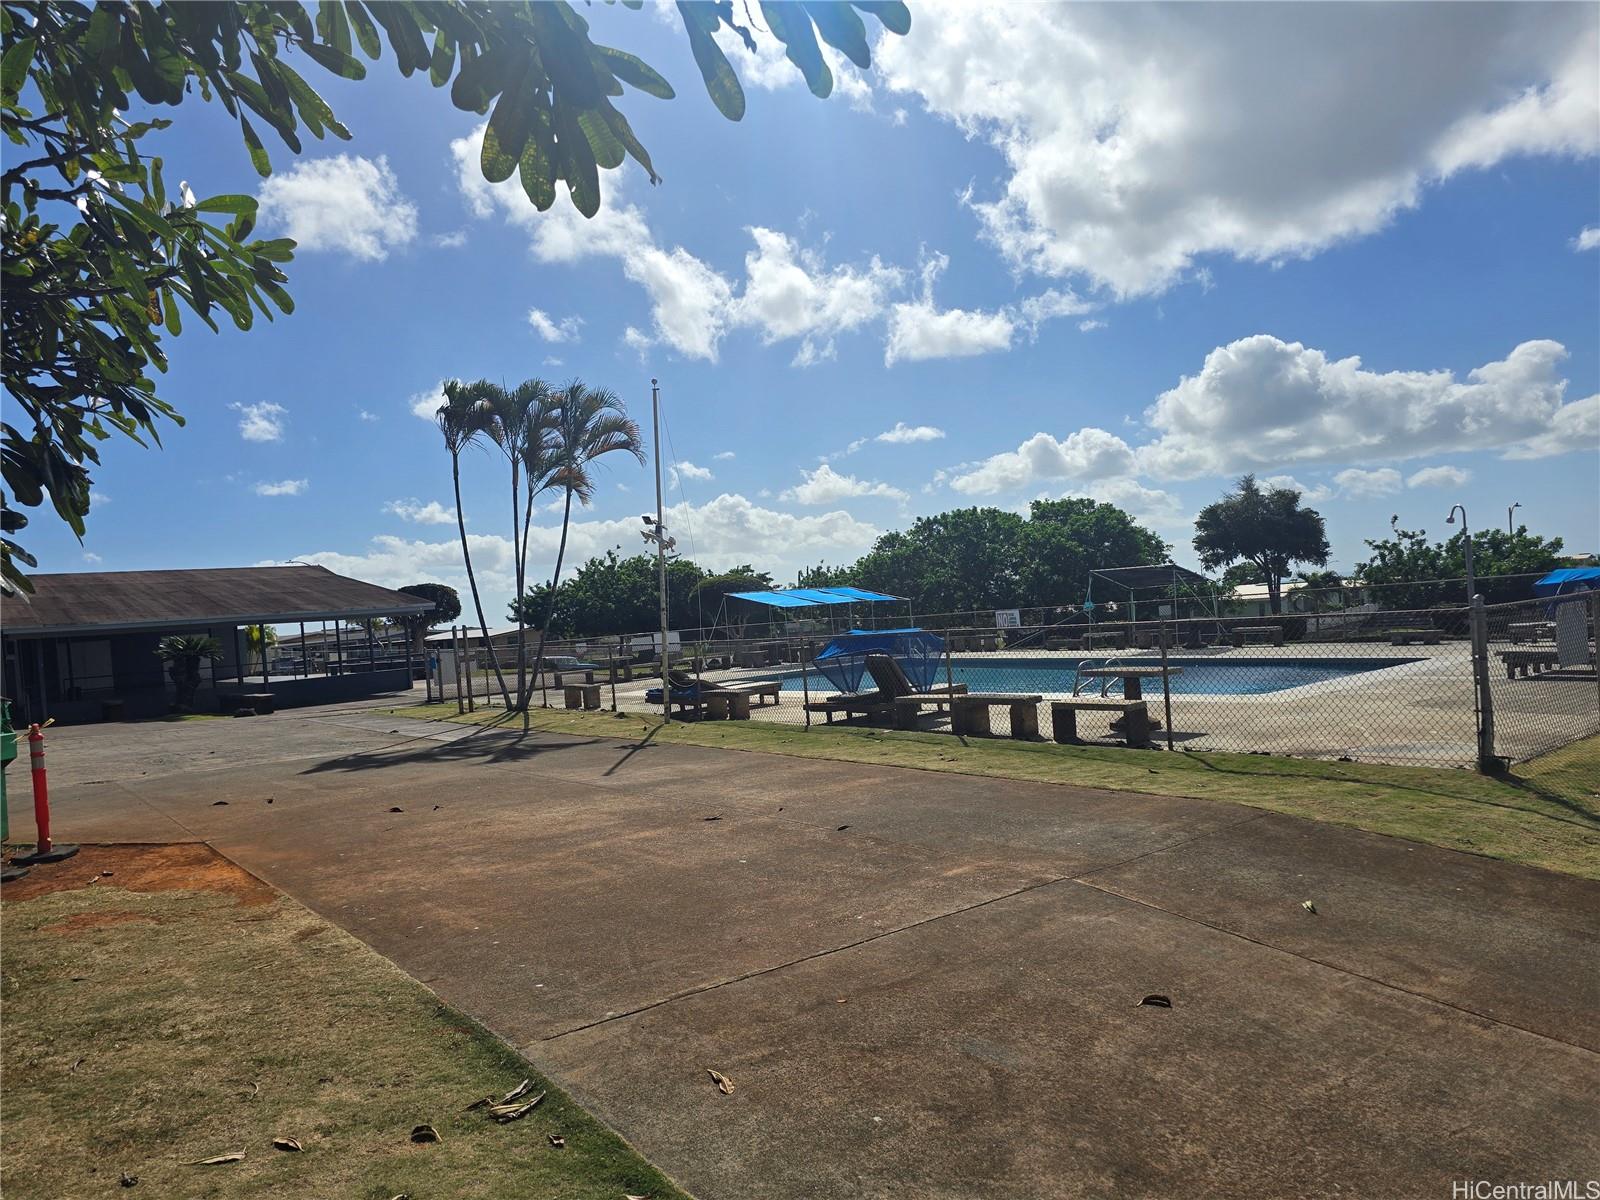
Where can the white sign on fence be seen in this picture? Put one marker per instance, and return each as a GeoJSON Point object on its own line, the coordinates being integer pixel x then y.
{"type": "Point", "coordinates": [1008, 618]}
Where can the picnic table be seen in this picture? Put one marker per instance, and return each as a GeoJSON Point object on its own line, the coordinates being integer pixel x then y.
{"type": "Point", "coordinates": [1132, 677]}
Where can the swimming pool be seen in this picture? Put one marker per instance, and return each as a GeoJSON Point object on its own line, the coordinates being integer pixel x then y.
{"type": "Point", "coordinates": [1201, 676]}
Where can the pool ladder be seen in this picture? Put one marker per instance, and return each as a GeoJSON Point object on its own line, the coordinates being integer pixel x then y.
{"type": "Point", "coordinates": [1108, 684]}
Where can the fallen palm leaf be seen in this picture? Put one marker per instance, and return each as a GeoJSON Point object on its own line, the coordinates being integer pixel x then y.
{"type": "Point", "coordinates": [1156, 1000]}
{"type": "Point", "coordinates": [517, 1092]}
{"type": "Point", "coordinates": [483, 1103]}
{"type": "Point", "coordinates": [217, 1160]}
{"type": "Point", "coordinates": [287, 1143]}
{"type": "Point", "coordinates": [515, 1112]}
{"type": "Point", "coordinates": [557, 1140]}
{"type": "Point", "coordinates": [1308, 906]}
{"type": "Point", "coordinates": [724, 1084]}
{"type": "Point", "coordinates": [425, 1133]}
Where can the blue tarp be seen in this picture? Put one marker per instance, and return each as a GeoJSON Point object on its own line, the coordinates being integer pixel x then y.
{"type": "Point", "coordinates": [1568, 580]}
{"type": "Point", "coordinates": [844, 660]}
{"type": "Point", "coordinates": [806, 597]}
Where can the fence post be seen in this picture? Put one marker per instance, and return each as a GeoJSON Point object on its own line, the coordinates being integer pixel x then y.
{"type": "Point", "coordinates": [1166, 681]}
{"type": "Point", "coordinates": [1594, 629]}
{"type": "Point", "coordinates": [1483, 701]}
{"type": "Point", "coordinates": [805, 680]}
{"type": "Point", "coordinates": [455, 664]}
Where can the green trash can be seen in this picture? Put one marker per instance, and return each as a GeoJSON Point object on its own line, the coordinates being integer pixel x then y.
{"type": "Point", "coordinates": [8, 751]}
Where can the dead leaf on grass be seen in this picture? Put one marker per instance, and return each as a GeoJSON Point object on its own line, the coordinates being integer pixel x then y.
{"type": "Point", "coordinates": [515, 1112]}
{"type": "Point", "coordinates": [724, 1084]}
{"type": "Point", "coordinates": [127, 1180]}
{"type": "Point", "coordinates": [483, 1103]}
{"type": "Point", "coordinates": [219, 804]}
{"type": "Point", "coordinates": [557, 1140]}
{"type": "Point", "coordinates": [1155, 1000]}
{"type": "Point", "coordinates": [517, 1092]}
{"type": "Point", "coordinates": [425, 1133]}
{"type": "Point", "coordinates": [287, 1143]}
{"type": "Point", "coordinates": [217, 1160]}
{"type": "Point", "coordinates": [1308, 906]}
{"type": "Point", "coordinates": [397, 809]}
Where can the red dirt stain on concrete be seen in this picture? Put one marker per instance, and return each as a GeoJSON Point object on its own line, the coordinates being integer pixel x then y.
{"type": "Point", "coordinates": [181, 867]}
{"type": "Point", "coordinates": [83, 922]}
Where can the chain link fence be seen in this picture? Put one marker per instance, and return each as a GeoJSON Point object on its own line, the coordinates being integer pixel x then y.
{"type": "Point", "coordinates": [1325, 680]}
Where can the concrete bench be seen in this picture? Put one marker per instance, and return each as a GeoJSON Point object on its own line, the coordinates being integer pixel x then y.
{"type": "Point", "coordinates": [1240, 634]}
{"type": "Point", "coordinates": [1533, 660]}
{"type": "Point", "coordinates": [1530, 631]}
{"type": "Point", "coordinates": [561, 676]}
{"type": "Point", "coordinates": [1117, 637]}
{"type": "Point", "coordinates": [1404, 637]}
{"type": "Point", "coordinates": [970, 713]}
{"type": "Point", "coordinates": [1064, 717]}
{"type": "Point", "coordinates": [908, 708]}
{"type": "Point", "coordinates": [259, 703]}
{"type": "Point", "coordinates": [582, 695]}
{"type": "Point", "coordinates": [763, 690]}
{"type": "Point", "coordinates": [727, 706]}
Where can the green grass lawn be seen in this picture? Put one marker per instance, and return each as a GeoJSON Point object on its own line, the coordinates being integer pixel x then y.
{"type": "Point", "coordinates": [1545, 813]}
{"type": "Point", "coordinates": [147, 1029]}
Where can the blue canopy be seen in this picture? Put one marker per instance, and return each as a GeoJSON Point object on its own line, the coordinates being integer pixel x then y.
{"type": "Point", "coordinates": [807, 597]}
{"type": "Point", "coordinates": [844, 660]}
{"type": "Point", "coordinates": [1568, 580]}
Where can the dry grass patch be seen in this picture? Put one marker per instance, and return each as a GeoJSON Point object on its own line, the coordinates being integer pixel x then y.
{"type": "Point", "coordinates": [147, 1027]}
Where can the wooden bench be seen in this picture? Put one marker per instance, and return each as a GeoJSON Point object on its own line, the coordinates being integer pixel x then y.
{"type": "Point", "coordinates": [970, 713]}
{"type": "Point", "coordinates": [1404, 637]}
{"type": "Point", "coordinates": [1240, 634]}
{"type": "Point", "coordinates": [1135, 714]}
{"type": "Point", "coordinates": [582, 695]}
{"type": "Point", "coordinates": [259, 703]}
{"type": "Point", "coordinates": [908, 708]}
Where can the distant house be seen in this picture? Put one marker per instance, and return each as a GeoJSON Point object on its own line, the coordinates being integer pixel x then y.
{"type": "Point", "coordinates": [82, 647]}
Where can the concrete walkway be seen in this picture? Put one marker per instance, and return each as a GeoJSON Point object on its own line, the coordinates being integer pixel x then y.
{"type": "Point", "coordinates": [921, 984]}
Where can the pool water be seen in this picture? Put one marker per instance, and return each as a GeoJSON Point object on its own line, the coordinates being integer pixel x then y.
{"type": "Point", "coordinates": [1214, 677]}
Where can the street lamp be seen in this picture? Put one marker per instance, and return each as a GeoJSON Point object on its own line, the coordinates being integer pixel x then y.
{"type": "Point", "coordinates": [1510, 528]}
{"type": "Point", "coordinates": [1466, 534]}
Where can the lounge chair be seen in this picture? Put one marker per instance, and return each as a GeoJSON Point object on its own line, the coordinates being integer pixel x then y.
{"type": "Point", "coordinates": [892, 684]}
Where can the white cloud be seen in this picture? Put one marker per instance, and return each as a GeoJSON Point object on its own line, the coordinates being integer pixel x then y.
{"type": "Point", "coordinates": [346, 203]}
{"type": "Point", "coordinates": [1136, 138]}
{"type": "Point", "coordinates": [1361, 484]}
{"type": "Point", "coordinates": [284, 487]}
{"type": "Point", "coordinates": [425, 404]}
{"type": "Point", "coordinates": [769, 68]}
{"type": "Point", "coordinates": [97, 497]}
{"type": "Point", "coordinates": [1086, 455]}
{"type": "Point", "coordinates": [1438, 477]}
{"type": "Point", "coordinates": [918, 330]}
{"type": "Point", "coordinates": [92, 558]}
{"type": "Point", "coordinates": [453, 240]}
{"type": "Point", "coordinates": [564, 330]}
{"type": "Point", "coordinates": [723, 455]}
{"type": "Point", "coordinates": [790, 292]}
{"type": "Point", "coordinates": [260, 422]}
{"type": "Point", "coordinates": [1036, 310]}
{"type": "Point", "coordinates": [1262, 403]}
{"type": "Point", "coordinates": [1152, 506]}
{"type": "Point", "coordinates": [690, 471]}
{"type": "Point", "coordinates": [903, 434]}
{"type": "Point", "coordinates": [1090, 326]}
{"type": "Point", "coordinates": [827, 486]}
{"type": "Point", "coordinates": [1588, 239]}
{"type": "Point", "coordinates": [431, 513]}
{"type": "Point", "coordinates": [369, 416]}
{"type": "Point", "coordinates": [1311, 493]}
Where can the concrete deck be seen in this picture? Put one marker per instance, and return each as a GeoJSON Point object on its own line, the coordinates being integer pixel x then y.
{"type": "Point", "coordinates": [921, 984]}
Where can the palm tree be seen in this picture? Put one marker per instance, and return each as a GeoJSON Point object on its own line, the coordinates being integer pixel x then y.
{"type": "Point", "coordinates": [182, 654]}
{"type": "Point", "coordinates": [520, 422]}
{"type": "Point", "coordinates": [464, 415]}
{"type": "Point", "coordinates": [589, 422]}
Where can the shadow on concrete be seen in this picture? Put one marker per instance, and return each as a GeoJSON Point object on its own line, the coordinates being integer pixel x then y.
{"type": "Point", "coordinates": [487, 744]}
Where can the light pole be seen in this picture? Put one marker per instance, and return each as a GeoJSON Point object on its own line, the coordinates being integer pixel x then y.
{"type": "Point", "coordinates": [1466, 547]}
{"type": "Point", "coordinates": [656, 531]}
{"type": "Point", "coordinates": [1510, 528]}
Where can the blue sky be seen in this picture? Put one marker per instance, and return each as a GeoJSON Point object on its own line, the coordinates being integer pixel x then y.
{"type": "Point", "coordinates": [1125, 252]}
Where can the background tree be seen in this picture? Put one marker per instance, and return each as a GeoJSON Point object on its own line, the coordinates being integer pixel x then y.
{"type": "Point", "coordinates": [446, 607]}
{"type": "Point", "coordinates": [1267, 529]}
{"type": "Point", "coordinates": [611, 595]}
{"type": "Point", "coordinates": [183, 654]}
{"type": "Point", "coordinates": [97, 261]}
{"type": "Point", "coordinates": [823, 575]}
{"type": "Point", "coordinates": [1406, 570]}
{"type": "Point", "coordinates": [1063, 540]}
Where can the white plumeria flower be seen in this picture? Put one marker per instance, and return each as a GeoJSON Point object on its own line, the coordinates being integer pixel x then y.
{"type": "Point", "coordinates": [186, 192]}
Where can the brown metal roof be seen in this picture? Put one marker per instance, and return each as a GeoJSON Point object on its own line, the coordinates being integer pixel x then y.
{"type": "Point", "coordinates": [108, 601]}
